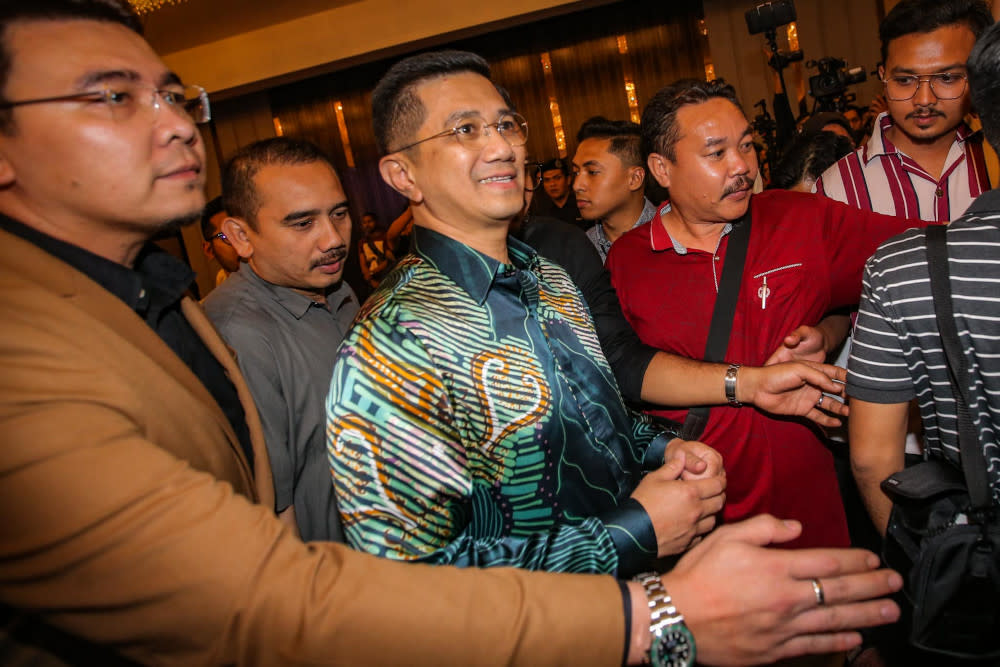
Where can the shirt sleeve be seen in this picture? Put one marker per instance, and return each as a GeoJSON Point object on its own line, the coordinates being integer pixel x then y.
{"type": "Point", "coordinates": [851, 236]}
{"type": "Point", "coordinates": [626, 354]}
{"type": "Point", "coordinates": [400, 472]}
{"type": "Point", "coordinates": [877, 371]}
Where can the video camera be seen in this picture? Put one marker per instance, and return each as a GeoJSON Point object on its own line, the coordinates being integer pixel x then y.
{"type": "Point", "coordinates": [829, 87]}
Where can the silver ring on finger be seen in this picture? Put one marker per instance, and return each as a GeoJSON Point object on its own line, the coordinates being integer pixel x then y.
{"type": "Point", "coordinates": [819, 403]}
{"type": "Point", "coordinates": [818, 592]}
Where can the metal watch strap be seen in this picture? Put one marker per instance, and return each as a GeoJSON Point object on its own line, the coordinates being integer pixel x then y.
{"type": "Point", "coordinates": [662, 611]}
{"type": "Point", "coordinates": [730, 384]}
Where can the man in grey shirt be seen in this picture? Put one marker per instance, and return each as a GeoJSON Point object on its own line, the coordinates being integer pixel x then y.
{"type": "Point", "coordinates": [286, 312]}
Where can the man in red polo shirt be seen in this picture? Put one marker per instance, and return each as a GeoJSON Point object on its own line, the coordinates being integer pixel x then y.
{"type": "Point", "coordinates": [804, 258]}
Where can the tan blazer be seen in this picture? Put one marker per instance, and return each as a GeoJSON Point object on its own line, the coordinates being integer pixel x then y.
{"type": "Point", "coordinates": [129, 518]}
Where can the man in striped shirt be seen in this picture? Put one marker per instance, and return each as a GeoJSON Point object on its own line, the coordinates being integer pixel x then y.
{"type": "Point", "coordinates": [922, 160]}
{"type": "Point", "coordinates": [897, 354]}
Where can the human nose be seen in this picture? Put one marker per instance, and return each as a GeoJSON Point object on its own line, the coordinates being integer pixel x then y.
{"type": "Point", "coordinates": [496, 144]}
{"type": "Point", "coordinates": [174, 119]}
{"type": "Point", "coordinates": [925, 94]}
{"type": "Point", "coordinates": [331, 236]}
{"type": "Point", "coordinates": [740, 162]}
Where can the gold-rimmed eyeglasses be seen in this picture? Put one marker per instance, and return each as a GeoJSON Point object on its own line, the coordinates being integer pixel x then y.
{"type": "Point", "coordinates": [474, 132]}
{"type": "Point", "coordinates": [123, 100]}
{"type": "Point", "coordinates": [944, 85]}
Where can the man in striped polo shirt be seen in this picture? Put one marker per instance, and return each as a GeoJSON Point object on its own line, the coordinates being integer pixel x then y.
{"type": "Point", "coordinates": [897, 354]}
{"type": "Point", "coordinates": [922, 160]}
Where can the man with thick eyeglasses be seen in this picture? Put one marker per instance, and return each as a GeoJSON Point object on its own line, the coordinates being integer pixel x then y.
{"type": "Point", "coordinates": [922, 160]}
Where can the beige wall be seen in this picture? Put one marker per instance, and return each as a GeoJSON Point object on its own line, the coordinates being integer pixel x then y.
{"type": "Point", "coordinates": [847, 29]}
{"type": "Point", "coordinates": [347, 32]}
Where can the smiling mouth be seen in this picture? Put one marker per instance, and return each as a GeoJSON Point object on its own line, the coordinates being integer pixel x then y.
{"type": "Point", "coordinates": [497, 179]}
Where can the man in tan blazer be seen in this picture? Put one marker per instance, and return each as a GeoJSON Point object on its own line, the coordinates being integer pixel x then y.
{"type": "Point", "coordinates": [135, 492]}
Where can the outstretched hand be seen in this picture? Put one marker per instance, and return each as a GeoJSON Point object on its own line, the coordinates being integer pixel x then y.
{"type": "Point", "coordinates": [746, 604]}
{"type": "Point", "coordinates": [796, 389]}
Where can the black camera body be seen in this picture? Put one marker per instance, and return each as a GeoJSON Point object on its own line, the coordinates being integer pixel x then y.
{"type": "Point", "coordinates": [834, 77]}
{"type": "Point", "coordinates": [770, 16]}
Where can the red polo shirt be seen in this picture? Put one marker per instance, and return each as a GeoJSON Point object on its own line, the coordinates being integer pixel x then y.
{"type": "Point", "coordinates": [805, 258]}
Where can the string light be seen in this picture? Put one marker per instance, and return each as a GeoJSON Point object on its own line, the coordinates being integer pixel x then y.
{"type": "Point", "coordinates": [149, 6]}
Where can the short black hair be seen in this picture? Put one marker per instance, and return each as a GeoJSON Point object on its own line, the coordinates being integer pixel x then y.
{"type": "Point", "coordinates": [553, 164]}
{"type": "Point", "coordinates": [808, 156]}
{"type": "Point", "coordinates": [659, 119]}
{"type": "Point", "coordinates": [18, 11]}
{"type": "Point", "coordinates": [923, 16]}
{"type": "Point", "coordinates": [239, 191]}
{"type": "Point", "coordinates": [397, 112]}
{"type": "Point", "coordinates": [211, 209]}
{"type": "Point", "coordinates": [624, 135]}
{"type": "Point", "coordinates": [984, 80]}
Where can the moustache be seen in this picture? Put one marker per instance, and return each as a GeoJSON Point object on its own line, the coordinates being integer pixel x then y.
{"type": "Point", "coordinates": [924, 113]}
{"type": "Point", "coordinates": [740, 184]}
{"type": "Point", "coordinates": [330, 258]}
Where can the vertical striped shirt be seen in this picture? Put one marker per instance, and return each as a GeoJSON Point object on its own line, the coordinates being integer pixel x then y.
{"type": "Point", "coordinates": [879, 177]}
{"type": "Point", "coordinates": [897, 353]}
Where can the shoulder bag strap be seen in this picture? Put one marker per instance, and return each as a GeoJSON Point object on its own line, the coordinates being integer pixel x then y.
{"type": "Point", "coordinates": [722, 316]}
{"type": "Point", "coordinates": [973, 461]}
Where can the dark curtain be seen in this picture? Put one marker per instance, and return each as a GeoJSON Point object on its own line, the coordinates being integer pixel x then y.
{"type": "Point", "coordinates": [588, 78]}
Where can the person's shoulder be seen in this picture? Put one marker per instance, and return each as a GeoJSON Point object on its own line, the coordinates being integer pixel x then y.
{"type": "Point", "coordinates": [235, 306]}
{"type": "Point", "coordinates": [900, 251]}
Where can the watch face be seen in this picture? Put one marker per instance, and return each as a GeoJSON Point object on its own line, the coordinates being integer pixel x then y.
{"type": "Point", "coordinates": [673, 647]}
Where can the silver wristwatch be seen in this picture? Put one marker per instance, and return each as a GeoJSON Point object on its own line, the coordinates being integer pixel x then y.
{"type": "Point", "coordinates": [673, 643]}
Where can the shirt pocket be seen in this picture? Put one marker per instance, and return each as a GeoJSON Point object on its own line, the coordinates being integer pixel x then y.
{"type": "Point", "coordinates": [777, 287]}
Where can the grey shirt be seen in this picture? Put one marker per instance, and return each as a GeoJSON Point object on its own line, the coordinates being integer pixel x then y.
{"type": "Point", "coordinates": [286, 345]}
{"type": "Point", "coordinates": [603, 243]}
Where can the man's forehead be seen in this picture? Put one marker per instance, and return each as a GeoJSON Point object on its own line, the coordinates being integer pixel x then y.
{"type": "Point", "coordinates": [947, 43]}
{"type": "Point", "coordinates": [592, 148]}
{"type": "Point", "coordinates": [712, 119]}
{"type": "Point", "coordinates": [61, 53]}
{"type": "Point", "coordinates": [457, 94]}
{"type": "Point", "coordinates": [287, 181]}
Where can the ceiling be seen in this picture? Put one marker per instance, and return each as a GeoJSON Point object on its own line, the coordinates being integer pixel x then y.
{"type": "Point", "coordinates": [193, 22]}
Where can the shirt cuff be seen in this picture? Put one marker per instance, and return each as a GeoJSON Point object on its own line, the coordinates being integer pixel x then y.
{"type": "Point", "coordinates": [881, 395]}
{"type": "Point", "coordinates": [632, 532]}
{"type": "Point", "coordinates": [653, 458]}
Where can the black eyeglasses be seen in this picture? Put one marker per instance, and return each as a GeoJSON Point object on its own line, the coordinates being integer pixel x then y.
{"type": "Point", "coordinates": [221, 236]}
{"type": "Point", "coordinates": [532, 175]}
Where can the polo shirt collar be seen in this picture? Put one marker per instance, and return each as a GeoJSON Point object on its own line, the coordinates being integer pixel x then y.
{"type": "Point", "coordinates": [660, 239]}
{"type": "Point", "coordinates": [879, 144]}
{"type": "Point", "coordinates": [470, 269]}
{"type": "Point", "coordinates": [296, 303]}
{"type": "Point", "coordinates": [648, 213]}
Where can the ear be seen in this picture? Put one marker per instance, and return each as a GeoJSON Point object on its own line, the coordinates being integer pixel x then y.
{"type": "Point", "coordinates": [660, 167]}
{"type": "Point", "coordinates": [881, 72]}
{"type": "Point", "coordinates": [399, 173]}
{"type": "Point", "coordinates": [239, 234]}
{"type": "Point", "coordinates": [206, 247]}
{"type": "Point", "coordinates": [636, 178]}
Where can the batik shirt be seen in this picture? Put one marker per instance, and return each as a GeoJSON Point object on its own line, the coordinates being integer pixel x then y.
{"type": "Point", "coordinates": [473, 420]}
